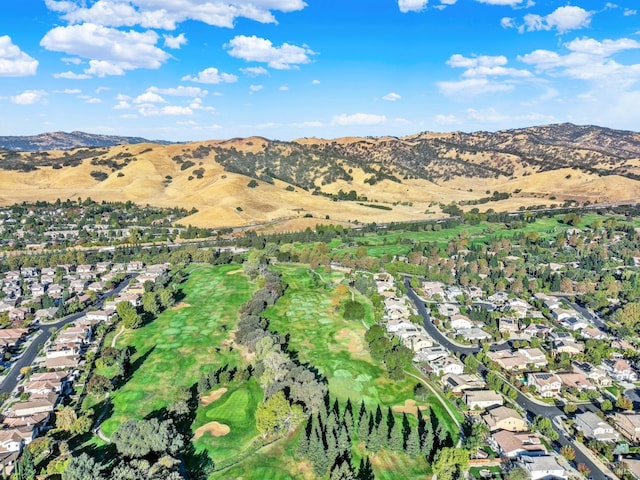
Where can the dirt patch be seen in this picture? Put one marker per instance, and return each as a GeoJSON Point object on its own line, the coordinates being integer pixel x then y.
{"type": "Point", "coordinates": [180, 306]}
{"type": "Point", "coordinates": [235, 272]}
{"type": "Point", "coordinates": [214, 428]}
{"type": "Point", "coordinates": [213, 396]}
{"type": "Point", "coordinates": [355, 344]}
{"type": "Point", "coordinates": [410, 407]}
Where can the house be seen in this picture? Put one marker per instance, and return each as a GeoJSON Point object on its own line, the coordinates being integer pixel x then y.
{"type": "Point", "coordinates": [632, 465]}
{"type": "Point", "coordinates": [542, 467]}
{"type": "Point", "coordinates": [579, 381]}
{"type": "Point", "coordinates": [511, 445]}
{"type": "Point", "coordinates": [135, 266]}
{"type": "Point", "coordinates": [63, 350]}
{"type": "Point", "coordinates": [547, 384]}
{"type": "Point", "coordinates": [574, 323]}
{"type": "Point", "coordinates": [560, 314]}
{"type": "Point", "coordinates": [628, 424]}
{"type": "Point", "coordinates": [459, 383]}
{"type": "Point", "coordinates": [401, 325]}
{"type": "Point", "coordinates": [593, 333]}
{"type": "Point", "coordinates": [44, 404]}
{"type": "Point", "coordinates": [78, 285]}
{"type": "Point", "coordinates": [620, 370]}
{"type": "Point", "coordinates": [499, 298]}
{"type": "Point", "coordinates": [132, 298]}
{"type": "Point", "coordinates": [596, 375]}
{"type": "Point", "coordinates": [473, 334]}
{"type": "Point", "coordinates": [518, 308]}
{"type": "Point", "coordinates": [102, 267]}
{"type": "Point", "coordinates": [444, 365]}
{"type": "Point", "coordinates": [61, 363]}
{"type": "Point", "coordinates": [482, 399]}
{"type": "Point", "coordinates": [44, 314]}
{"type": "Point", "coordinates": [533, 356]}
{"type": "Point", "coordinates": [504, 418]}
{"type": "Point", "coordinates": [12, 439]}
{"type": "Point", "coordinates": [100, 315]}
{"type": "Point", "coordinates": [36, 421]}
{"type": "Point", "coordinates": [459, 322]}
{"type": "Point", "coordinates": [594, 428]}
{"type": "Point", "coordinates": [569, 346]}
{"type": "Point", "coordinates": [448, 309]}
{"type": "Point", "coordinates": [40, 388]}
{"type": "Point", "coordinates": [508, 326]}
{"type": "Point", "coordinates": [18, 315]}
{"type": "Point", "coordinates": [508, 360]}
{"type": "Point", "coordinates": [13, 335]}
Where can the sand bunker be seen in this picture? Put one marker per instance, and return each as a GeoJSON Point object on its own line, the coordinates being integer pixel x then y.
{"type": "Point", "coordinates": [355, 344]}
{"type": "Point", "coordinates": [409, 407]}
{"type": "Point", "coordinates": [214, 428]}
{"type": "Point", "coordinates": [213, 396]}
{"type": "Point", "coordinates": [180, 306]}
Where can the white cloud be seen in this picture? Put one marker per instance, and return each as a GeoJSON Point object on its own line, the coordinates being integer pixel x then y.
{"type": "Point", "coordinates": [315, 82]}
{"type": "Point", "coordinates": [254, 71]}
{"type": "Point", "coordinates": [149, 97]}
{"type": "Point", "coordinates": [314, 124]}
{"type": "Point", "coordinates": [562, 19]}
{"type": "Point", "coordinates": [166, 14]}
{"type": "Point", "coordinates": [256, 49]}
{"type": "Point", "coordinates": [72, 60]}
{"type": "Point", "coordinates": [507, 22]}
{"type": "Point", "coordinates": [180, 91]}
{"type": "Point", "coordinates": [13, 61]}
{"type": "Point", "coordinates": [196, 104]}
{"type": "Point", "coordinates": [170, 110]}
{"type": "Point", "coordinates": [69, 75]}
{"type": "Point", "coordinates": [412, 5]}
{"type": "Point", "coordinates": [174, 42]}
{"type": "Point", "coordinates": [122, 105]}
{"type": "Point", "coordinates": [509, 3]}
{"type": "Point", "coordinates": [629, 12]}
{"type": "Point", "coordinates": [446, 119]}
{"type": "Point", "coordinates": [255, 88]}
{"type": "Point", "coordinates": [473, 87]}
{"type": "Point", "coordinates": [481, 74]}
{"type": "Point", "coordinates": [391, 97]}
{"type": "Point", "coordinates": [358, 119]}
{"type": "Point", "coordinates": [28, 97]}
{"type": "Point", "coordinates": [93, 100]}
{"type": "Point", "coordinates": [284, 88]}
{"type": "Point", "coordinates": [111, 51]}
{"type": "Point", "coordinates": [211, 75]}
{"type": "Point", "coordinates": [72, 91]}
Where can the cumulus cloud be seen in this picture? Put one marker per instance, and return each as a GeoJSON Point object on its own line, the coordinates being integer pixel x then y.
{"type": "Point", "coordinates": [255, 88]}
{"type": "Point", "coordinates": [315, 82]}
{"type": "Point", "coordinates": [256, 49]}
{"type": "Point", "coordinates": [170, 110]}
{"type": "Point", "coordinates": [254, 71]}
{"type": "Point", "coordinates": [509, 3]}
{"type": "Point", "coordinates": [284, 88]}
{"type": "Point", "coordinates": [211, 75]}
{"type": "Point", "coordinates": [482, 74]}
{"type": "Point", "coordinates": [149, 97]}
{"type": "Point", "coordinates": [391, 97]}
{"type": "Point", "coordinates": [174, 42]}
{"type": "Point", "coordinates": [28, 97]}
{"type": "Point", "coordinates": [629, 12]}
{"type": "Point", "coordinates": [412, 5]}
{"type": "Point", "coordinates": [111, 51]}
{"type": "Point", "coordinates": [13, 61]}
{"type": "Point", "coordinates": [180, 91]}
{"type": "Point", "coordinates": [562, 19]}
{"type": "Point", "coordinates": [167, 14]}
{"type": "Point", "coordinates": [358, 119]}
{"type": "Point", "coordinates": [69, 75]}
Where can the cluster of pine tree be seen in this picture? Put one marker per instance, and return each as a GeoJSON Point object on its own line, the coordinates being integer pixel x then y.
{"type": "Point", "coordinates": [331, 433]}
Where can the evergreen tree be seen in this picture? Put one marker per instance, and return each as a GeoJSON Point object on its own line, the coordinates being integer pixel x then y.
{"type": "Point", "coordinates": [427, 444]}
{"type": "Point", "coordinates": [413, 443]}
{"type": "Point", "coordinates": [348, 421]}
{"type": "Point", "coordinates": [396, 442]}
{"type": "Point", "coordinates": [365, 472]}
{"type": "Point", "coordinates": [364, 427]}
{"type": "Point", "coordinates": [378, 417]}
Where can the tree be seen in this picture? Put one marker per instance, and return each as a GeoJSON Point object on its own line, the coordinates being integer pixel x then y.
{"type": "Point", "coordinates": [518, 473]}
{"type": "Point", "coordinates": [139, 438]}
{"type": "Point", "coordinates": [477, 436]}
{"type": "Point", "coordinates": [449, 463]}
{"type": "Point", "coordinates": [570, 408]}
{"type": "Point", "coordinates": [583, 469]}
{"type": "Point", "coordinates": [624, 403]}
{"type": "Point", "coordinates": [544, 426]}
{"type": "Point", "coordinates": [568, 452]}
{"type": "Point", "coordinates": [83, 467]}
{"type": "Point", "coordinates": [129, 315]}
{"type": "Point", "coordinates": [606, 405]}
{"type": "Point", "coordinates": [150, 302]}
{"type": "Point", "coordinates": [277, 415]}
{"type": "Point", "coordinates": [65, 418]}
{"type": "Point", "coordinates": [99, 384]}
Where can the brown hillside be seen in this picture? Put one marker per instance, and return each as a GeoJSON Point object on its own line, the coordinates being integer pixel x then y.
{"type": "Point", "coordinates": [258, 181]}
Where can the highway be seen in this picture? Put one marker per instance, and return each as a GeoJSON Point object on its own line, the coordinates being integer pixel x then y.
{"type": "Point", "coordinates": [31, 352]}
{"type": "Point", "coordinates": [531, 407]}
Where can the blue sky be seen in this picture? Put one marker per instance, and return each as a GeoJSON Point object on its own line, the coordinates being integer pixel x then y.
{"type": "Point", "coordinates": [284, 69]}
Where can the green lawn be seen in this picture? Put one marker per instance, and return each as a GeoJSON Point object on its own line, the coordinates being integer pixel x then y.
{"type": "Point", "coordinates": [177, 347]}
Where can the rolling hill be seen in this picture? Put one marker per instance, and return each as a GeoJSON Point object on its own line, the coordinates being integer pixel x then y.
{"type": "Point", "coordinates": [255, 180]}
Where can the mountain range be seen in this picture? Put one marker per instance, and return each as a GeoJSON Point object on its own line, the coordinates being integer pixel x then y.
{"type": "Point", "coordinates": [255, 180]}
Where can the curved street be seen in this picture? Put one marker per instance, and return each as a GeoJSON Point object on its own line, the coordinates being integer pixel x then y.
{"type": "Point", "coordinates": [47, 330]}
{"type": "Point", "coordinates": [532, 408]}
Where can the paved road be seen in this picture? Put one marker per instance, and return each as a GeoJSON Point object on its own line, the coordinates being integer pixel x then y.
{"type": "Point", "coordinates": [531, 407]}
{"type": "Point", "coordinates": [48, 329]}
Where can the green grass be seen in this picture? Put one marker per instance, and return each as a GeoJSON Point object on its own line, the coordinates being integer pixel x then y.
{"type": "Point", "coordinates": [178, 346]}
{"type": "Point", "coordinates": [236, 409]}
